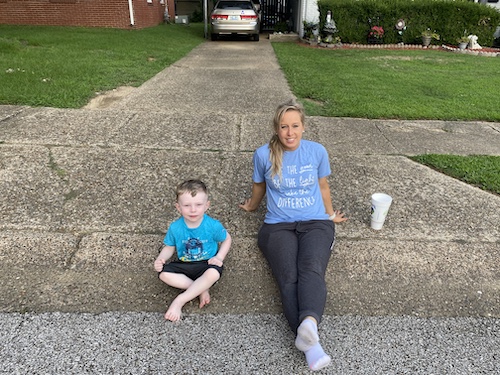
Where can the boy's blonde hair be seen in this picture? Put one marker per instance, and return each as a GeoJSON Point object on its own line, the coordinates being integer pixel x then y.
{"type": "Point", "coordinates": [275, 146]}
{"type": "Point", "coordinates": [192, 187]}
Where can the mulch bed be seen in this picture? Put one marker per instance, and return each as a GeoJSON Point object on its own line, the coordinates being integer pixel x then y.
{"type": "Point", "coordinates": [485, 51]}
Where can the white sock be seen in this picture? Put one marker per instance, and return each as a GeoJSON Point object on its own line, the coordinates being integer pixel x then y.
{"type": "Point", "coordinates": [317, 358]}
{"type": "Point", "coordinates": [307, 335]}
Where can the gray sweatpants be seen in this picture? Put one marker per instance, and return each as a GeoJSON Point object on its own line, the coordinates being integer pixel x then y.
{"type": "Point", "coordinates": [298, 254]}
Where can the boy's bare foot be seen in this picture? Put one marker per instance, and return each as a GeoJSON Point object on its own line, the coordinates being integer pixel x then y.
{"type": "Point", "coordinates": [174, 311]}
{"type": "Point", "coordinates": [204, 299]}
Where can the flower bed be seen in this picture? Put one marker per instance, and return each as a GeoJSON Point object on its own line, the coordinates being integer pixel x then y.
{"type": "Point", "coordinates": [485, 51]}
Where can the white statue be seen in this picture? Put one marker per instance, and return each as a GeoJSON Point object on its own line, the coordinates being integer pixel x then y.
{"type": "Point", "coordinates": [330, 23]}
{"type": "Point", "coordinates": [473, 44]}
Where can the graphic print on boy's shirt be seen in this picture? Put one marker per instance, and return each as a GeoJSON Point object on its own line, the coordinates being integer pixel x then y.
{"type": "Point", "coordinates": [193, 250]}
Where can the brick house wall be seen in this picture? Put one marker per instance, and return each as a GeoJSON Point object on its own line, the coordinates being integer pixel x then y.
{"type": "Point", "coordinates": [86, 13]}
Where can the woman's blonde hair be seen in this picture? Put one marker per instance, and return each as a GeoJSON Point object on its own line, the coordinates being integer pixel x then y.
{"type": "Point", "coordinates": [275, 145]}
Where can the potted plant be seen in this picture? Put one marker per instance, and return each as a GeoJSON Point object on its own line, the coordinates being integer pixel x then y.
{"type": "Point", "coordinates": [427, 36]}
{"type": "Point", "coordinates": [310, 30]}
{"type": "Point", "coordinates": [463, 41]}
{"type": "Point", "coordinates": [376, 35]}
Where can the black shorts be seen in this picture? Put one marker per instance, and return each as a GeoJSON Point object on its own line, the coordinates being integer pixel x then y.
{"type": "Point", "coordinates": [193, 270]}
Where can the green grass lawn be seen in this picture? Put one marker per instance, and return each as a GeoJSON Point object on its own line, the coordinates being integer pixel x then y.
{"type": "Point", "coordinates": [65, 66]}
{"type": "Point", "coordinates": [399, 84]}
{"type": "Point", "coordinates": [478, 170]}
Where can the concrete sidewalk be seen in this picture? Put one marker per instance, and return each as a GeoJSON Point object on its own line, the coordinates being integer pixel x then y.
{"type": "Point", "coordinates": [86, 196]}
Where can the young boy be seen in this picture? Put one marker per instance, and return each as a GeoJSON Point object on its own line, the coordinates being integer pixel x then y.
{"type": "Point", "coordinates": [196, 237]}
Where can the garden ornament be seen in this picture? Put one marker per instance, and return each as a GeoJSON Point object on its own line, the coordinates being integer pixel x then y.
{"type": "Point", "coordinates": [473, 44]}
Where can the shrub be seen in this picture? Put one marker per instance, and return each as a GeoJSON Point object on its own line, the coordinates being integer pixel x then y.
{"type": "Point", "coordinates": [354, 19]}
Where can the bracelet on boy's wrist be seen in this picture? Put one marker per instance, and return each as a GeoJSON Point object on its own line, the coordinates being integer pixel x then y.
{"type": "Point", "coordinates": [332, 216]}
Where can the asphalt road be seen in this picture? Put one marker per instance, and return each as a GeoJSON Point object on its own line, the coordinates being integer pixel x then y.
{"type": "Point", "coordinates": [144, 343]}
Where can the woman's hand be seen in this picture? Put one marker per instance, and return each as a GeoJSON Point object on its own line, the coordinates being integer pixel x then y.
{"type": "Point", "coordinates": [339, 217]}
{"type": "Point", "coordinates": [246, 205]}
{"type": "Point", "coordinates": [252, 203]}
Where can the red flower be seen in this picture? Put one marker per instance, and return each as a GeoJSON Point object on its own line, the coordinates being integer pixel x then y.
{"type": "Point", "coordinates": [376, 32]}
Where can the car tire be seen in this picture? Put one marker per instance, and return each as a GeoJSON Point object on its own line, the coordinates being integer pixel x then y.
{"type": "Point", "coordinates": [256, 37]}
{"type": "Point", "coordinates": [213, 36]}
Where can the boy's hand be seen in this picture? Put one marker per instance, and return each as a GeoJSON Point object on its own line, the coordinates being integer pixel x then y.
{"type": "Point", "coordinates": [159, 264]}
{"type": "Point", "coordinates": [215, 261]}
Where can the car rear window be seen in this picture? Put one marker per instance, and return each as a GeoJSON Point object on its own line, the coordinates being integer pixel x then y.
{"type": "Point", "coordinates": [234, 5]}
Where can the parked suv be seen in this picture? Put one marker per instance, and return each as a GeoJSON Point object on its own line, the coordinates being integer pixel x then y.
{"type": "Point", "coordinates": [235, 17]}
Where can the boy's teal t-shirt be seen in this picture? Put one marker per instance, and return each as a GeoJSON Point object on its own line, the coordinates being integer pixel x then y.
{"type": "Point", "coordinates": [195, 244]}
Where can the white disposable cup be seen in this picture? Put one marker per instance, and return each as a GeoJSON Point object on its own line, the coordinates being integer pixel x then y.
{"type": "Point", "coordinates": [380, 207]}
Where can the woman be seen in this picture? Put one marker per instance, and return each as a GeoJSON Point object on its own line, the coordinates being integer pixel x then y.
{"type": "Point", "coordinates": [298, 232]}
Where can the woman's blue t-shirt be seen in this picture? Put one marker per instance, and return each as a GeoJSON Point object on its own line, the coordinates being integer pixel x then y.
{"type": "Point", "coordinates": [297, 195]}
{"type": "Point", "coordinates": [195, 244]}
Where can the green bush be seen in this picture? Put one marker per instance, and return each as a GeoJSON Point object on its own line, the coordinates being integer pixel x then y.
{"type": "Point", "coordinates": [448, 18]}
{"type": "Point", "coordinates": [197, 15]}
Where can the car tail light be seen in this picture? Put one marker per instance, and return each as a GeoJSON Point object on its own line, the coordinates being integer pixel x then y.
{"type": "Point", "coordinates": [219, 16]}
{"type": "Point", "coordinates": [250, 17]}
